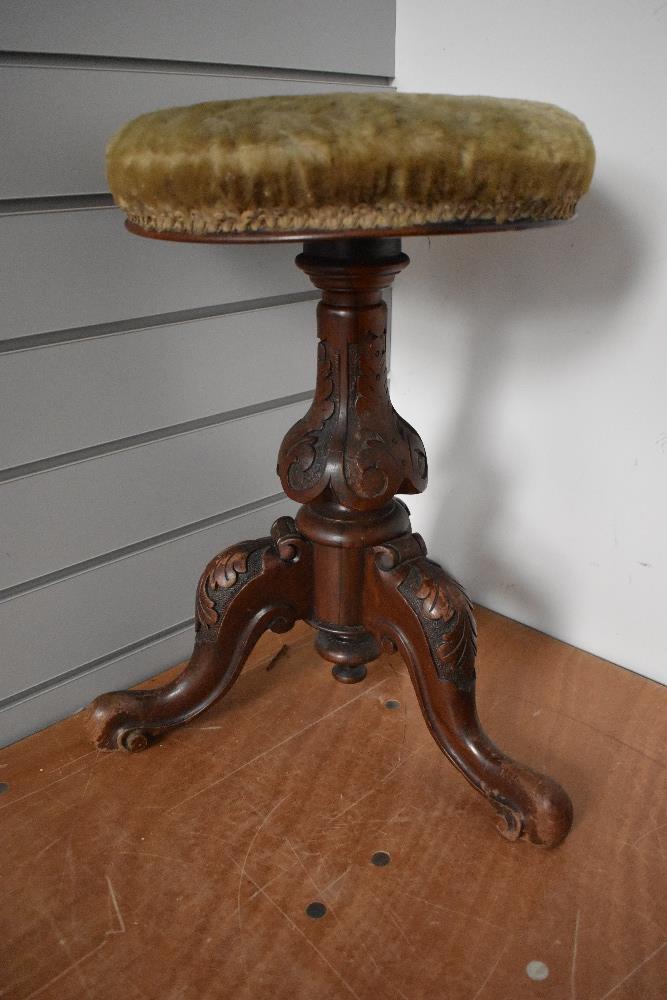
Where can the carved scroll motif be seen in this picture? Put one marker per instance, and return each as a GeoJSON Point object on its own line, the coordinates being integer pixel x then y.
{"type": "Point", "coordinates": [441, 604]}
{"type": "Point", "coordinates": [384, 455]}
{"type": "Point", "coordinates": [447, 621]}
{"type": "Point", "coordinates": [304, 452]}
{"type": "Point", "coordinates": [234, 567]}
{"type": "Point", "coordinates": [222, 579]}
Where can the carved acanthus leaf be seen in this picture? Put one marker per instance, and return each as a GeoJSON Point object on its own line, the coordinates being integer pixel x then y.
{"type": "Point", "coordinates": [227, 569]}
{"type": "Point", "coordinates": [304, 451]}
{"type": "Point", "coordinates": [435, 602]}
{"type": "Point", "coordinates": [383, 454]}
{"type": "Point", "coordinates": [448, 620]}
{"type": "Point", "coordinates": [223, 573]}
{"type": "Point", "coordinates": [352, 442]}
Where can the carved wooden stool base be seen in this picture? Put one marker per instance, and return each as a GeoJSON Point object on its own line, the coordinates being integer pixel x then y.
{"type": "Point", "coordinates": [350, 565]}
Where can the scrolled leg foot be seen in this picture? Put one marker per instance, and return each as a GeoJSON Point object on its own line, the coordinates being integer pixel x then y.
{"type": "Point", "coordinates": [244, 591]}
{"type": "Point", "coordinates": [416, 605]}
{"type": "Point", "coordinates": [110, 719]}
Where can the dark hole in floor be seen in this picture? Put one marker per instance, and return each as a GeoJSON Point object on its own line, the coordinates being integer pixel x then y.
{"type": "Point", "coordinates": [380, 859]}
{"type": "Point", "coordinates": [316, 910]}
{"type": "Point", "coordinates": [4, 787]}
{"type": "Point", "coordinates": [392, 703]}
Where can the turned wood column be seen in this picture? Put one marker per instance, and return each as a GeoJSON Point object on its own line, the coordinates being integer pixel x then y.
{"type": "Point", "coordinates": [352, 452]}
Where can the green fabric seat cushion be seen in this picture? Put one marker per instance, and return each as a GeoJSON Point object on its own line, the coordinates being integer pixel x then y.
{"type": "Point", "coordinates": [348, 161]}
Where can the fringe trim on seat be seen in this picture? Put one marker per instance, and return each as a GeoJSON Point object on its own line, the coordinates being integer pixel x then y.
{"type": "Point", "coordinates": [337, 217]}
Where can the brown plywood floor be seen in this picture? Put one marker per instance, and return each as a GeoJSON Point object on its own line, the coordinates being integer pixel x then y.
{"type": "Point", "coordinates": [184, 873]}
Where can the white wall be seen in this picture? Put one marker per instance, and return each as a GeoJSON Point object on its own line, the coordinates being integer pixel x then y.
{"type": "Point", "coordinates": [535, 364]}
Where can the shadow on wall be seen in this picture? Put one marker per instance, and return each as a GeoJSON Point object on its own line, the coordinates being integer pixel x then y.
{"type": "Point", "coordinates": [506, 290]}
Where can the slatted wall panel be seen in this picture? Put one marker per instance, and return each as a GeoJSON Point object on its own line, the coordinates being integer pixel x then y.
{"type": "Point", "coordinates": [144, 386]}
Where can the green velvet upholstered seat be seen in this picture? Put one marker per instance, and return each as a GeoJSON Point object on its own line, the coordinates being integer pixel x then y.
{"type": "Point", "coordinates": [348, 162]}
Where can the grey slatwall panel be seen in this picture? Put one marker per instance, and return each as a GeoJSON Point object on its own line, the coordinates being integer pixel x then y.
{"type": "Point", "coordinates": [42, 704]}
{"type": "Point", "coordinates": [63, 270]}
{"type": "Point", "coordinates": [57, 100]}
{"type": "Point", "coordinates": [64, 627]}
{"type": "Point", "coordinates": [77, 395]}
{"type": "Point", "coordinates": [145, 384]}
{"type": "Point", "coordinates": [84, 510]}
{"type": "Point", "coordinates": [349, 36]}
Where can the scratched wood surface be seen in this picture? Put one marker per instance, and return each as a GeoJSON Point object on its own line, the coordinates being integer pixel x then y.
{"type": "Point", "coordinates": [184, 873]}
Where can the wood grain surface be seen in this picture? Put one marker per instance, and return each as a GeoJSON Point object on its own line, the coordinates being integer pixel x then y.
{"type": "Point", "coordinates": [186, 872]}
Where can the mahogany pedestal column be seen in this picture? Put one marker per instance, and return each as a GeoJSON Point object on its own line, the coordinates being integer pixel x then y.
{"type": "Point", "coordinates": [350, 566]}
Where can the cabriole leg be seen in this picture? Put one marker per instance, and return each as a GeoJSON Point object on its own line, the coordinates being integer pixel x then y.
{"type": "Point", "coordinates": [414, 604]}
{"type": "Point", "coordinates": [244, 591]}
